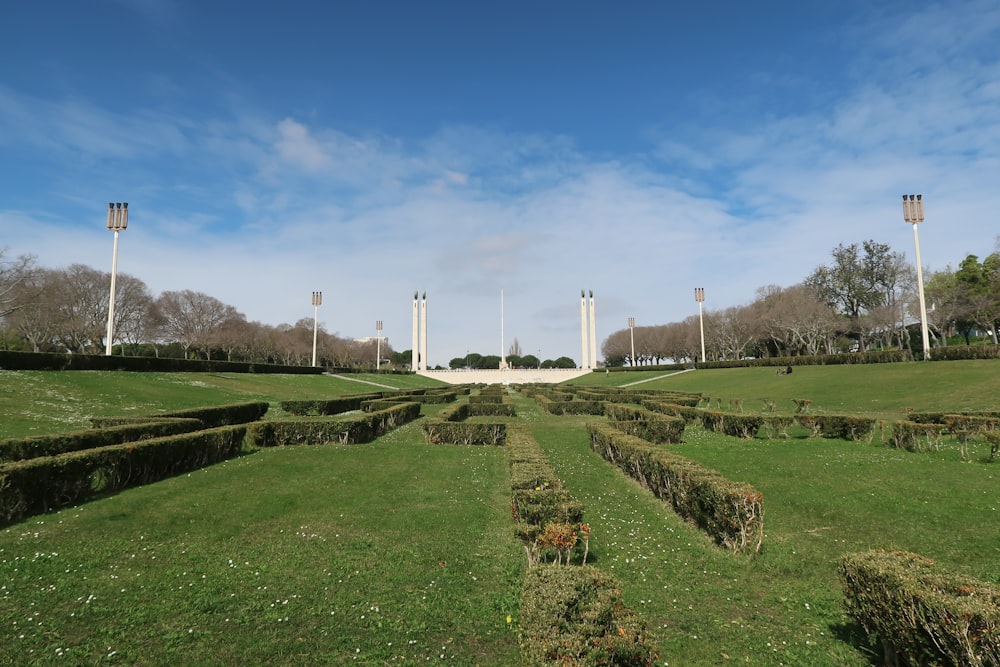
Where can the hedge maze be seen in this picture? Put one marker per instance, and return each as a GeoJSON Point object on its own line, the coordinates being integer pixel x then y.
{"type": "Point", "coordinates": [571, 612]}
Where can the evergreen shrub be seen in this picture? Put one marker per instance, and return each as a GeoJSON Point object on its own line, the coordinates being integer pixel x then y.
{"type": "Point", "coordinates": [920, 614]}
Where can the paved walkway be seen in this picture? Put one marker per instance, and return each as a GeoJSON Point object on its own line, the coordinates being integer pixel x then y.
{"type": "Point", "coordinates": [658, 377]}
{"type": "Point", "coordinates": [374, 384]}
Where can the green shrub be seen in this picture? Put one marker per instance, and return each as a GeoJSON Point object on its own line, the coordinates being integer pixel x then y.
{"type": "Point", "coordinates": [46, 483]}
{"type": "Point", "coordinates": [576, 616]}
{"type": "Point", "coordinates": [737, 426]}
{"type": "Point", "coordinates": [331, 406]}
{"type": "Point", "coordinates": [644, 424]}
{"type": "Point", "coordinates": [51, 445]}
{"type": "Point", "coordinates": [322, 430]}
{"type": "Point", "coordinates": [491, 409]}
{"type": "Point", "coordinates": [915, 437]}
{"type": "Point", "coordinates": [920, 615]}
{"type": "Point", "coordinates": [222, 415]}
{"type": "Point", "coordinates": [840, 427]}
{"type": "Point", "coordinates": [463, 433]}
{"type": "Point", "coordinates": [955, 352]}
{"type": "Point", "coordinates": [731, 513]}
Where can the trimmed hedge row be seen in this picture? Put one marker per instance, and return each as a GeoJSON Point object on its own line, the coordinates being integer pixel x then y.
{"type": "Point", "coordinates": [19, 449]}
{"type": "Point", "coordinates": [874, 357]}
{"type": "Point", "coordinates": [839, 427]}
{"type": "Point", "coordinates": [47, 483]}
{"type": "Point", "coordinates": [491, 409]}
{"type": "Point", "coordinates": [319, 431]}
{"type": "Point", "coordinates": [689, 413]}
{"type": "Point", "coordinates": [919, 614]}
{"type": "Point", "coordinates": [211, 417]}
{"type": "Point", "coordinates": [644, 424]}
{"type": "Point", "coordinates": [738, 426]}
{"type": "Point", "coordinates": [539, 499]}
{"type": "Point", "coordinates": [576, 616]}
{"type": "Point", "coordinates": [731, 513]}
{"type": "Point", "coordinates": [51, 361]}
{"type": "Point", "coordinates": [569, 407]}
{"type": "Point", "coordinates": [330, 406]}
{"type": "Point", "coordinates": [449, 427]}
{"type": "Point", "coordinates": [462, 433]}
{"type": "Point", "coordinates": [957, 352]}
{"type": "Point", "coordinates": [915, 437]}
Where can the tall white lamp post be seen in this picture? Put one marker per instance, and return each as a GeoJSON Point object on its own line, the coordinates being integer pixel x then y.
{"type": "Point", "coordinates": [631, 335]}
{"type": "Point", "coordinates": [378, 345]}
{"type": "Point", "coordinates": [699, 296]}
{"type": "Point", "coordinates": [117, 222]}
{"type": "Point", "coordinates": [913, 213]}
{"type": "Point", "coordinates": [317, 302]}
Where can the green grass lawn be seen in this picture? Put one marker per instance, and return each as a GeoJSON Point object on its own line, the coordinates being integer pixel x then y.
{"type": "Point", "coordinates": [883, 391]}
{"type": "Point", "coordinates": [39, 402]}
{"type": "Point", "coordinates": [399, 552]}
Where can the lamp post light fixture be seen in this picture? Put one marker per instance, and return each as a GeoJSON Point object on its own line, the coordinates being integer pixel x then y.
{"type": "Point", "coordinates": [699, 296]}
{"type": "Point", "coordinates": [913, 213]}
{"type": "Point", "coordinates": [317, 302]}
{"type": "Point", "coordinates": [117, 222]}
{"type": "Point", "coordinates": [631, 334]}
{"type": "Point", "coordinates": [378, 345]}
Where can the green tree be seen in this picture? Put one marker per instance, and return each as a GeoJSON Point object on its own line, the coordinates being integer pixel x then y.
{"type": "Point", "coordinates": [859, 280]}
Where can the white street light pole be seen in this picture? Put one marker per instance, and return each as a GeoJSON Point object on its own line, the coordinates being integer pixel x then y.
{"type": "Point", "coordinates": [699, 296]}
{"type": "Point", "coordinates": [378, 344]}
{"type": "Point", "coordinates": [631, 334]}
{"type": "Point", "coordinates": [913, 213]}
{"type": "Point", "coordinates": [117, 221]}
{"type": "Point", "coordinates": [317, 302]}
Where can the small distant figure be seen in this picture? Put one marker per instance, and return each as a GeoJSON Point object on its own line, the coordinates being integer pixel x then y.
{"type": "Point", "coordinates": [787, 370]}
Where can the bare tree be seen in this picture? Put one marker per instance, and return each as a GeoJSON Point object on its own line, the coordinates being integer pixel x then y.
{"type": "Point", "coordinates": [193, 319]}
{"type": "Point", "coordinates": [13, 274]}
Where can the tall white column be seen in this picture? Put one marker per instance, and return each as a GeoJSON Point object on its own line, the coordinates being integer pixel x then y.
{"type": "Point", "coordinates": [584, 347]}
{"type": "Point", "coordinates": [503, 351]}
{"type": "Point", "coordinates": [593, 332]}
{"type": "Point", "coordinates": [415, 349]}
{"type": "Point", "coordinates": [423, 334]}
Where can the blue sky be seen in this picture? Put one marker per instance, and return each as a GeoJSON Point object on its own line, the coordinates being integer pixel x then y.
{"type": "Point", "coordinates": [373, 149]}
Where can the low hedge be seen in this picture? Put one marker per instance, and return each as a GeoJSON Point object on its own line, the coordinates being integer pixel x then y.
{"type": "Point", "coordinates": [331, 406]}
{"type": "Point", "coordinates": [569, 407]}
{"type": "Point", "coordinates": [644, 424]}
{"type": "Point", "coordinates": [548, 520]}
{"type": "Point", "coordinates": [218, 415]}
{"type": "Point", "coordinates": [689, 413]}
{"type": "Point", "coordinates": [319, 430]}
{"type": "Point", "coordinates": [576, 616]}
{"type": "Point", "coordinates": [957, 352]}
{"type": "Point", "coordinates": [737, 426]}
{"type": "Point", "coordinates": [463, 433]}
{"type": "Point", "coordinates": [19, 449]}
{"type": "Point", "coordinates": [731, 513]}
{"type": "Point", "coordinates": [486, 397]}
{"type": "Point", "coordinates": [491, 409]}
{"type": "Point", "coordinates": [47, 483]}
{"type": "Point", "coordinates": [839, 427]}
{"type": "Point", "coordinates": [920, 614]}
{"type": "Point", "coordinates": [54, 361]}
{"type": "Point", "coordinates": [915, 437]}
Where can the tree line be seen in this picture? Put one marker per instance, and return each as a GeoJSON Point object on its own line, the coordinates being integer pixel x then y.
{"type": "Point", "coordinates": [864, 298]}
{"type": "Point", "coordinates": [66, 310]}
